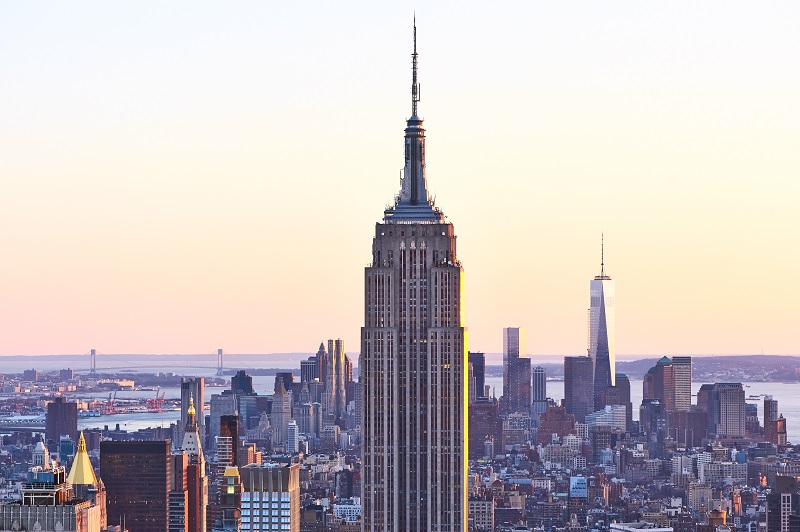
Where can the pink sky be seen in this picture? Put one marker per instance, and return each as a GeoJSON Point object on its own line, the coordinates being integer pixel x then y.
{"type": "Point", "coordinates": [177, 180]}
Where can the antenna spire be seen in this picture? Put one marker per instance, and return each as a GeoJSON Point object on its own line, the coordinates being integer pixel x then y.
{"type": "Point", "coordinates": [414, 83]}
{"type": "Point", "coordinates": [602, 256]}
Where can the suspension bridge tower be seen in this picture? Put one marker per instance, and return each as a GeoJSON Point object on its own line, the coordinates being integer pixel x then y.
{"type": "Point", "coordinates": [220, 371]}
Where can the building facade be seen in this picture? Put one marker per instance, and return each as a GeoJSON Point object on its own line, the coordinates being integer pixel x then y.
{"type": "Point", "coordinates": [192, 389]}
{"type": "Point", "coordinates": [414, 362]}
{"type": "Point", "coordinates": [61, 420]}
{"type": "Point", "coordinates": [578, 387]}
{"type": "Point", "coordinates": [138, 477]}
{"type": "Point", "coordinates": [516, 372]}
{"type": "Point", "coordinates": [270, 497]}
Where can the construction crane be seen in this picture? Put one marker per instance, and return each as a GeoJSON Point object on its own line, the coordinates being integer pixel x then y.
{"type": "Point", "coordinates": [156, 404]}
{"type": "Point", "coordinates": [111, 406]}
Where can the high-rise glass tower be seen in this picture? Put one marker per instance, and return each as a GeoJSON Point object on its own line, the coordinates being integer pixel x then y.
{"type": "Point", "coordinates": [602, 319]}
{"type": "Point", "coordinates": [516, 372]}
{"type": "Point", "coordinates": [682, 367]}
{"type": "Point", "coordinates": [539, 390]}
{"type": "Point", "coordinates": [414, 361]}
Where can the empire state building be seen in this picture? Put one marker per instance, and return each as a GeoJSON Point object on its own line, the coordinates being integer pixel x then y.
{"type": "Point", "coordinates": [413, 361]}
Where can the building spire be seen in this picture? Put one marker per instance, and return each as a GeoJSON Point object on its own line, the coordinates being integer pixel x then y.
{"type": "Point", "coordinates": [414, 82]}
{"type": "Point", "coordinates": [413, 203]}
{"type": "Point", "coordinates": [602, 276]}
{"type": "Point", "coordinates": [602, 256]}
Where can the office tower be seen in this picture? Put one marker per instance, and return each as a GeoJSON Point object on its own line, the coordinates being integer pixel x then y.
{"type": "Point", "coordinates": [726, 412]}
{"type": "Point", "coordinates": [519, 385]}
{"type": "Point", "coordinates": [196, 481]}
{"type": "Point", "coordinates": [602, 319]}
{"type": "Point", "coordinates": [281, 414]}
{"type": "Point", "coordinates": [478, 361]}
{"type": "Point", "coordinates": [414, 362]}
{"type": "Point", "coordinates": [224, 404]}
{"type": "Point", "coordinates": [336, 397]}
{"type": "Point", "coordinates": [242, 383]}
{"type": "Point", "coordinates": [66, 449]}
{"type": "Point", "coordinates": [774, 423]}
{"type": "Point", "coordinates": [322, 364]}
{"type": "Point", "coordinates": [62, 420]}
{"type": "Point", "coordinates": [620, 394]}
{"type": "Point", "coordinates": [682, 367]}
{"type": "Point", "coordinates": [227, 456]}
{"type": "Point", "coordinates": [578, 387]}
{"type": "Point", "coordinates": [227, 441]}
{"type": "Point", "coordinates": [514, 342]}
{"type": "Point", "coordinates": [178, 495]}
{"type": "Point", "coordinates": [250, 409]}
{"type": "Point", "coordinates": [659, 383]}
{"type": "Point", "coordinates": [309, 370]}
{"type": "Point", "coordinates": [514, 345]}
{"type": "Point", "coordinates": [539, 390]}
{"type": "Point", "coordinates": [138, 477]}
{"type": "Point", "coordinates": [306, 419]}
{"type": "Point", "coordinates": [770, 409]}
{"type": "Point", "coordinates": [292, 437]}
{"type": "Point", "coordinates": [653, 422]}
{"type": "Point", "coordinates": [288, 382]}
{"type": "Point", "coordinates": [484, 423]}
{"type": "Point", "coordinates": [471, 379]}
{"type": "Point", "coordinates": [195, 389]}
{"type": "Point", "coordinates": [704, 397]}
{"type": "Point", "coordinates": [783, 505]}
{"type": "Point", "coordinates": [270, 497]}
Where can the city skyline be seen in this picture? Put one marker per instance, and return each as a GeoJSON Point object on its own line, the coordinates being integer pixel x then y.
{"type": "Point", "coordinates": [152, 205]}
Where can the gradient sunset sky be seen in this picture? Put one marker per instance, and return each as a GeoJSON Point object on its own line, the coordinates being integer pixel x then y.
{"type": "Point", "coordinates": [177, 177]}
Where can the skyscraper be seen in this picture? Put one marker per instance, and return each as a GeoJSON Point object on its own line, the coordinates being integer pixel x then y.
{"type": "Point", "coordinates": [138, 477]}
{"type": "Point", "coordinates": [193, 388]}
{"type": "Point", "coordinates": [726, 415]}
{"type": "Point", "coordinates": [682, 368]}
{"type": "Point", "coordinates": [61, 420]}
{"type": "Point", "coordinates": [224, 404]}
{"type": "Point", "coordinates": [270, 497]}
{"type": "Point", "coordinates": [196, 480]}
{"type": "Point", "coordinates": [602, 319]}
{"type": "Point", "coordinates": [516, 372]}
{"type": "Point", "coordinates": [539, 390]}
{"type": "Point", "coordinates": [578, 398]}
{"type": "Point", "coordinates": [478, 361]}
{"type": "Point", "coordinates": [281, 414]}
{"type": "Point", "coordinates": [414, 361]}
{"type": "Point", "coordinates": [783, 505]}
{"type": "Point", "coordinates": [774, 423]}
{"type": "Point", "coordinates": [335, 387]}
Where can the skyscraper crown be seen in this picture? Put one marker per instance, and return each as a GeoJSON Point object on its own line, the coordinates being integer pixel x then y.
{"type": "Point", "coordinates": [413, 205]}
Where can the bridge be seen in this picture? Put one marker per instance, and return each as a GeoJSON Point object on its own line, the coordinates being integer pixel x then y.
{"type": "Point", "coordinates": [92, 369]}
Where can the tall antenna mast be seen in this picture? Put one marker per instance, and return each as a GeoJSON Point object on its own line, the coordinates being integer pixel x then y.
{"type": "Point", "coordinates": [414, 84]}
{"type": "Point", "coordinates": [602, 256]}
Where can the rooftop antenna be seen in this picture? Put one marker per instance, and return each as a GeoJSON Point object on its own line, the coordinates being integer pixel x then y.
{"type": "Point", "coordinates": [414, 83]}
{"type": "Point", "coordinates": [602, 256]}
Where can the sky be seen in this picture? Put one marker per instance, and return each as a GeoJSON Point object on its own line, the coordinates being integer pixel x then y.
{"type": "Point", "coordinates": [185, 176]}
